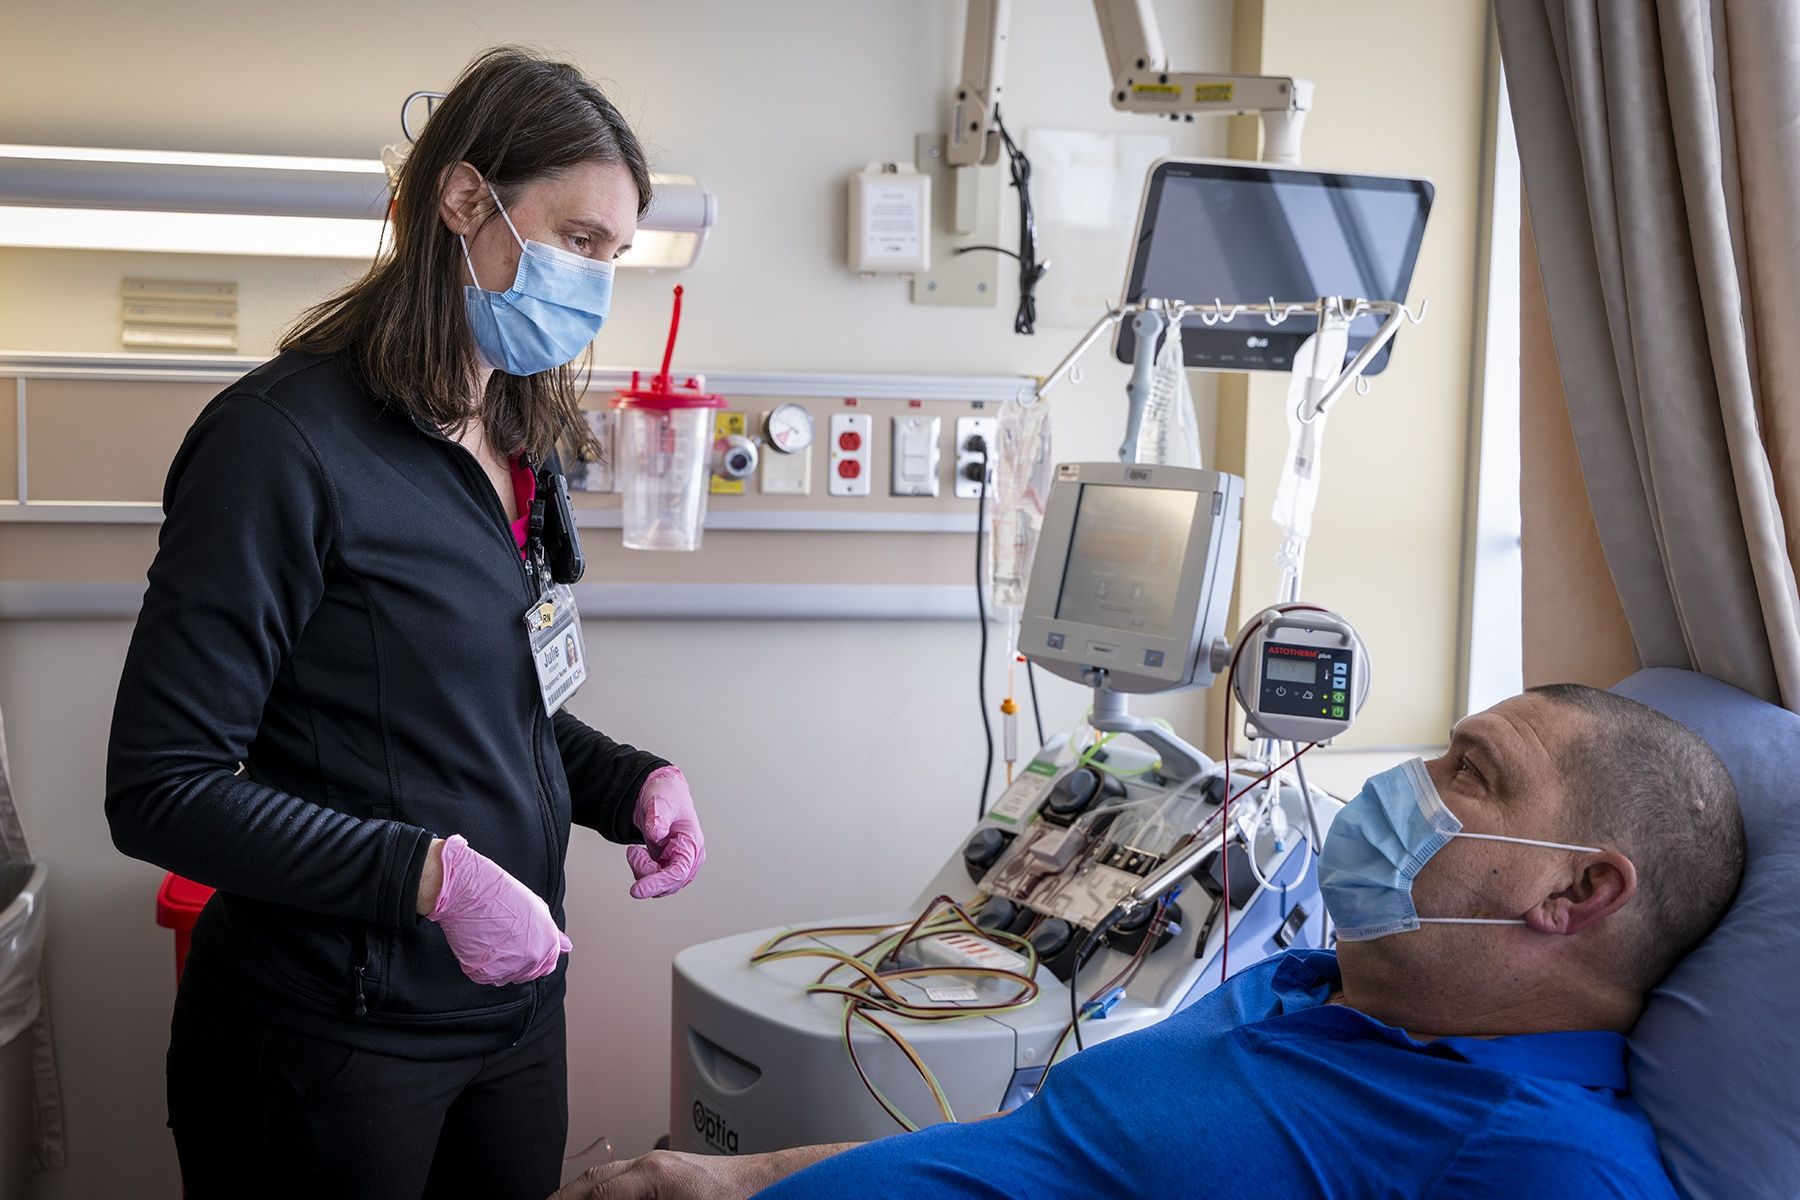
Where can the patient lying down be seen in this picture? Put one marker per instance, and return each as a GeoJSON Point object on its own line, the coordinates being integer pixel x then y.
{"type": "Point", "coordinates": [1428, 1056]}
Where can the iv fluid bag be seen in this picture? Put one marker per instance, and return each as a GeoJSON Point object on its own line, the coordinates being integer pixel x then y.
{"type": "Point", "coordinates": [1170, 434]}
{"type": "Point", "coordinates": [1021, 485]}
{"type": "Point", "coordinates": [1297, 493]}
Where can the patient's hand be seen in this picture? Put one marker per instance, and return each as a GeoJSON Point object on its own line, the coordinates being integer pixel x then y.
{"type": "Point", "coordinates": [670, 1175]}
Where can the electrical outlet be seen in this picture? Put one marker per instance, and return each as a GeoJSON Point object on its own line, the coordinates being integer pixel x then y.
{"type": "Point", "coordinates": [968, 429]}
{"type": "Point", "coordinates": [852, 454]}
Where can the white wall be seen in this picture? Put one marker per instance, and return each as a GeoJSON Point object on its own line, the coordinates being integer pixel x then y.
{"type": "Point", "coordinates": [838, 773]}
{"type": "Point", "coordinates": [1386, 545]}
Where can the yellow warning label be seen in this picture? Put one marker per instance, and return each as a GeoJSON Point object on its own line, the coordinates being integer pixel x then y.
{"type": "Point", "coordinates": [727, 424]}
{"type": "Point", "coordinates": [1214, 93]}
{"type": "Point", "coordinates": [1167, 93]}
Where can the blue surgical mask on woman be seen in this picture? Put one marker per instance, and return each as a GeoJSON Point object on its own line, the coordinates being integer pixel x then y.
{"type": "Point", "coordinates": [1378, 845]}
{"type": "Point", "coordinates": [552, 312]}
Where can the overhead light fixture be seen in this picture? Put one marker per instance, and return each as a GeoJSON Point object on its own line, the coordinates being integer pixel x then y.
{"type": "Point", "coordinates": [670, 235]}
{"type": "Point", "coordinates": [68, 197]}
{"type": "Point", "coordinates": [188, 232]}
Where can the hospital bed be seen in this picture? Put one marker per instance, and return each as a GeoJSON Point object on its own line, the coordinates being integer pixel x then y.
{"type": "Point", "coordinates": [1715, 1059]}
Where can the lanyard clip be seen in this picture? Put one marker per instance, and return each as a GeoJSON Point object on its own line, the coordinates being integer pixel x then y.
{"type": "Point", "coordinates": [537, 566]}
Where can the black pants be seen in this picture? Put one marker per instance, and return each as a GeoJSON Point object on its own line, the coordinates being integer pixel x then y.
{"type": "Point", "coordinates": [259, 1111]}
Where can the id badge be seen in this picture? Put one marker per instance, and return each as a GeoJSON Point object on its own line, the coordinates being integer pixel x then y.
{"type": "Point", "coordinates": [557, 650]}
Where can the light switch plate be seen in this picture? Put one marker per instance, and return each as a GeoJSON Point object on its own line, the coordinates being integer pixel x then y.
{"type": "Point", "coordinates": [916, 456]}
{"type": "Point", "coordinates": [597, 476]}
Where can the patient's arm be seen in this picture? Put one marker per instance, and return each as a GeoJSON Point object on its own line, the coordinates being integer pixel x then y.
{"type": "Point", "coordinates": [669, 1175]}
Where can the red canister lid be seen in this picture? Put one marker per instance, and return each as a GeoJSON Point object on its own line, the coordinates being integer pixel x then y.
{"type": "Point", "coordinates": [663, 394]}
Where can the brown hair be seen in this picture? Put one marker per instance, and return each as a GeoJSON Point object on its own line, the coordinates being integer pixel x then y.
{"type": "Point", "coordinates": [514, 116]}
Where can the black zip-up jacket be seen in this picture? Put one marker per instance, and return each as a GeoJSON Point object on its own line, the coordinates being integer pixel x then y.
{"type": "Point", "coordinates": [337, 603]}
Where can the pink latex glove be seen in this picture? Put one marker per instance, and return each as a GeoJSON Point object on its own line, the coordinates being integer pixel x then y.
{"type": "Point", "coordinates": [499, 929]}
{"type": "Point", "coordinates": [674, 846]}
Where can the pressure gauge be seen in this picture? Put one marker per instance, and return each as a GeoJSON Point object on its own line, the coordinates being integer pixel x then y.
{"type": "Point", "coordinates": [1302, 674]}
{"type": "Point", "coordinates": [788, 428]}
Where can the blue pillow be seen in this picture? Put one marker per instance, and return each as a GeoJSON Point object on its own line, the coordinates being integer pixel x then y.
{"type": "Point", "coordinates": [1715, 1059]}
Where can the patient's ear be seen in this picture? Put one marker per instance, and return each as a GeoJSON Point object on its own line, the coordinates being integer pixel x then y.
{"type": "Point", "coordinates": [1605, 885]}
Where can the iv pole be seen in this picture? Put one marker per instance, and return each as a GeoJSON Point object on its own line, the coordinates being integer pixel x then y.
{"type": "Point", "coordinates": [1181, 759]}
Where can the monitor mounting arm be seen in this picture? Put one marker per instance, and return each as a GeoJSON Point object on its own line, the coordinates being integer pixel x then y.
{"type": "Point", "coordinates": [1141, 83]}
{"type": "Point", "coordinates": [1181, 759]}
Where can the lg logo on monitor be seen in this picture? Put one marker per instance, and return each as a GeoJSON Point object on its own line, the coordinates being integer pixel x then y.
{"type": "Point", "coordinates": [1256, 343]}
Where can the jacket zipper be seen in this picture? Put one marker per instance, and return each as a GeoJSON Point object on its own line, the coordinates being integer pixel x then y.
{"type": "Point", "coordinates": [485, 488]}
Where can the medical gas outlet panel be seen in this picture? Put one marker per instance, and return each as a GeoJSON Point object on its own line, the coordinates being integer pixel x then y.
{"type": "Point", "coordinates": [903, 456]}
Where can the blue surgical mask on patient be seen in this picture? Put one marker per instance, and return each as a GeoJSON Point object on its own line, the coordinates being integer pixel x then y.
{"type": "Point", "coordinates": [554, 309]}
{"type": "Point", "coordinates": [1378, 845]}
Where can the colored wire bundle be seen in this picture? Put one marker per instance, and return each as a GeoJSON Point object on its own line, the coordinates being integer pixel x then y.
{"type": "Point", "coordinates": [877, 969]}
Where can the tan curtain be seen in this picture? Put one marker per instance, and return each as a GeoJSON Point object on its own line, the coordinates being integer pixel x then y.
{"type": "Point", "coordinates": [1575, 629]}
{"type": "Point", "coordinates": [1661, 157]}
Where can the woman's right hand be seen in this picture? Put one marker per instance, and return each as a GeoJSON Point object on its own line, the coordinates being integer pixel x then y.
{"type": "Point", "coordinates": [500, 930]}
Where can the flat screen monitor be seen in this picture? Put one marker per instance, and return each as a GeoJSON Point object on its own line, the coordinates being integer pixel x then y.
{"type": "Point", "coordinates": [1125, 558]}
{"type": "Point", "coordinates": [1133, 574]}
{"type": "Point", "coordinates": [1240, 232]}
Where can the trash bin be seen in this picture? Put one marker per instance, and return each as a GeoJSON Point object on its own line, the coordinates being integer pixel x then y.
{"type": "Point", "coordinates": [178, 905]}
{"type": "Point", "coordinates": [22, 928]}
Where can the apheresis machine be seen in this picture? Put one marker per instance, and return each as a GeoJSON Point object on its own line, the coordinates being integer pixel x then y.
{"type": "Point", "coordinates": [1123, 873]}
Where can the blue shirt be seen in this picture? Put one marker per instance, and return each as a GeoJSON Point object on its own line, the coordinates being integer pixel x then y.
{"type": "Point", "coordinates": [1262, 1089]}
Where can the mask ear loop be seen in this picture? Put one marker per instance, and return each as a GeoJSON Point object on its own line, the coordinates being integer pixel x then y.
{"type": "Point", "coordinates": [1519, 841]}
{"type": "Point", "coordinates": [469, 262]}
{"type": "Point", "coordinates": [1500, 837]}
{"type": "Point", "coordinates": [503, 216]}
{"type": "Point", "coordinates": [464, 241]}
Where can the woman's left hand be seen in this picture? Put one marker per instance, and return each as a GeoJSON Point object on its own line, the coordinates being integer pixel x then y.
{"type": "Point", "coordinates": [674, 847]}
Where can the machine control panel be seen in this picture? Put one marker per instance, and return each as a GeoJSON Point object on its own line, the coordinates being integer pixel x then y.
{"type": "Point", "coordinates": [1301, 672]}
{"type": "Point", "coordinates": [1306, 681]}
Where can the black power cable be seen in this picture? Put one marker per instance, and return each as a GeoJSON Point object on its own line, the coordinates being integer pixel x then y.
{"type": "Point", "coordinates": [1030, 269]}
{"type": "Point", "coordinates": [1081, 956]}
{"type": "Point", "coordinates": [978, 445]}
{"type": "Point", "coordinates": [1037, 710]}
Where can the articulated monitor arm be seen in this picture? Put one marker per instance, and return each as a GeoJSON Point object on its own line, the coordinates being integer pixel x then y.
{"type": "Point", "coordinates": [974, 138]}
{"type": "Point", "coordinates": [1141, 82]}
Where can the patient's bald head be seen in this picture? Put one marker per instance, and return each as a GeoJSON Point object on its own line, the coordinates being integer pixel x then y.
{"type": "Point", "coordinates": [1653, 789]}
{"type": "Point", "coordinates": [1575, 765]}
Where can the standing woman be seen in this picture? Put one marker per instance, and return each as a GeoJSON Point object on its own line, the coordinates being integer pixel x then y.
{"type": "Point", "coordinates": [332, 711]}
